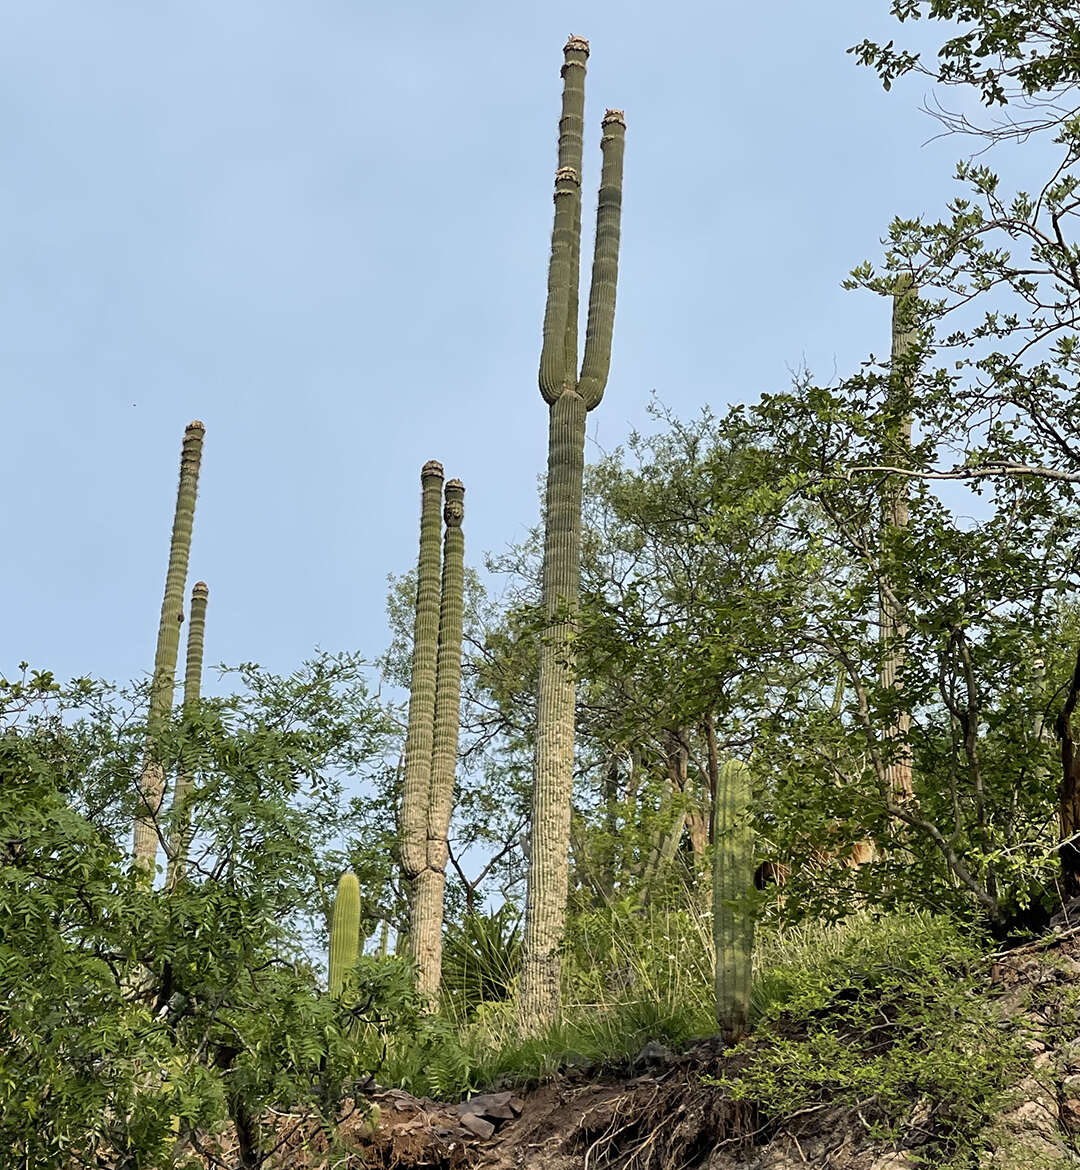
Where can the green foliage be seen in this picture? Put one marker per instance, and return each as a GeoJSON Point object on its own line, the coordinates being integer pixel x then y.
{"type": "Point", "coordinates": [138, 1017]}
{"type": "Point", "coordinates": [481, 960]}
{"type": "Point", "coordinates": [877, 1014]}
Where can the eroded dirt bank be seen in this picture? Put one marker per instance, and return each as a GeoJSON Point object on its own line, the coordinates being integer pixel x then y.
{"type": "Point", "coordinates": [665, 1114]}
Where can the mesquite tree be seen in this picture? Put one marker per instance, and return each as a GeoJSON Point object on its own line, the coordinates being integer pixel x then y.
{"type": "Point", "coordinates": [427, 906]}
{"type": "Point", "coordinates": [569, 395]}
{"type": "Point", "coordinates": [152, 784]}
{"type": "Point", "coordinates": [180, 837]}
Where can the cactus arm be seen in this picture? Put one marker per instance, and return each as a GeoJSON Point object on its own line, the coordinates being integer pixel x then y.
{"type": "Point", "coordinates": [344, 931]}
{"type": "Point", "coordinates": [180, 839]}
{"type": "Point", "coordinates": [419, 733]}
{"type": "Point", "coordinates": [554, 371]}
{"type": "Point", "coordinates": [733, 910]}
{"type": "Point", "coordinates": [152, 781]}
{"type": "Point", "coordinates": [426, 932]}
{"type": "Point", "coordinates": [605, 270]}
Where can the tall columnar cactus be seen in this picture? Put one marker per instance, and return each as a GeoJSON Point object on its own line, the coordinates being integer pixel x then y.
{"type": "Point", "coordinates": [427, 910]}
{"type": "Point", "coordinates": [894, 519]}
{"type": "Point", "coordinates": [344, 931]}
{"type": "Point", "coordinates": [733, 902]}
{"type": "Point", "coordinates": [419, 737]}
{"type": "Point", "coordinates": [569, 395]}
{"type": "Point", "coordinates": [152, 785]}
{"type": "Point", "coordinates": [180, 837]}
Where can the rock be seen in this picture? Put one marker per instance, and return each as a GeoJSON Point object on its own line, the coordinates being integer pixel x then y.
{"type": "Point", "coordinates": [892, 1162]}
{"type": "Point", "coordinates": [493, 1106]}
{"type": "Point", "coordinates": [1070, 1114]}
{"type": "Point", "coordinates": [653, 1053]}
{"type": "Point", "coordinates": [477, 1126]}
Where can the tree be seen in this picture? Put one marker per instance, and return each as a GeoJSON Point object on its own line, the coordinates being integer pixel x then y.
{"type": "Point", "coordinates": [135, 1018]}
{"type": "Point", "coordinates": [1005, 270]}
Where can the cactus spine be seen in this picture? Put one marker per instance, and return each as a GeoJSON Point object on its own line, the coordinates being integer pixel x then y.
{"type": "Point", "coordinates": [152, 783]}
{"type": "Point", "coordinates": [733, 909]}
{"type": "Point", "coordinates": [419, 736]}
{"type": "Point", "coordinates": [895, 515]}
{"type": "Point", "coordinates": [180, 839]}
{"type": "Point", "coordinates": [568, 396]}
{"type": "Point", "coordinates": [344, 931]}
{"type": "Point", "coordinates": [427, 911]}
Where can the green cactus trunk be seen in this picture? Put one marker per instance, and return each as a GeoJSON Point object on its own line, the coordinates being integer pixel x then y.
{"type": "Point", "coordinates": [427, 910]}
{"type": "Point", "coordinates": [180, 837]}
{"type": "Point", "coordinates": [152, 784]}
{"type": "Point", "coordinates": [733, 901]}
{"type": "Point", "coordinates": [419, 737]}
{"type": "Point", "coordinates": [569, 397]}
{"type": "Point", "coordinates": [344, 931]}
{"type": "Point", "coordinates": [894, 519]}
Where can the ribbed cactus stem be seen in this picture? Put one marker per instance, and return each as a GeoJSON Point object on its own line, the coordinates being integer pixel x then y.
{"type": "Point", "coordinates": [419, 736]}
{"type": "Point", "coordinates": [605, 270]}
{"type": "Point", "coordinates": [344, 931]}
{"type": "Point", "coordinates": [733, 905]}
{"type": "Point", "coordinates": [569, 396]}
{"type": "Point", "coordinates": [895, 516]}
{"type": "Point", "coordinates": [180, 837]}
{"type": "Point", "coordinates": [152, 783]}
{"type": "Point", "coordinates": [427, 917]}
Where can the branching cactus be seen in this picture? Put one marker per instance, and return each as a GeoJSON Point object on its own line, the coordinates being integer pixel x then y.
{"type": "Point", "coordinates": [569, 396]}
{"type": "Point", "coordinates": [419, 736]}
{"type": "Point", "coordinates": [344, 931]}
{"type": "Point", "coordinates": [152, 784]}
{"type": "Point", "coordinates": [180, 839]}
{"type": "Point", "coordinates": [733, 900]}
{"type": "Point", "coordinates": [894, 519]}
{"type": "Point", "coordinates": [427, 913]}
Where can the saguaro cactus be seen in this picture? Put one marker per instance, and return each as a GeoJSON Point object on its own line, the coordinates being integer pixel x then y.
{"type": "Point", "coordinates": [344, 931]}
{"type": "Point", "coordinates": [894, 519]}
{"type": "Point", "coordinates": [152, 785]}
{"type": "Point", "coordinates": [733, 908]}
{"type": "Point", "coordinates": [427, 910]}
{"type": "Point", "coordinates": [568, 396]}
{"type": "Point", "coordinates": [419, 737]}
{"type": "Point", "coordinates": [180, 838]}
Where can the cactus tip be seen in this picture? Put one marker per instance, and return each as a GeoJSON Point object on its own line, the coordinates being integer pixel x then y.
{"type": "Point", "coordinates": [432, 467]}
{"type": "Point", "coordinates": [614, 116]}
{"type": "Point", "coordinates": [195, 425]}
{"type": "Point", "coordinates": [202, 588]}
{"type": "Point", "coordinates": [576, 44]}
{"type": "Point", "coordinates": [455, 483]}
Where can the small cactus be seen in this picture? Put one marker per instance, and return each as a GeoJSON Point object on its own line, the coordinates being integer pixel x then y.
{"type": "Point", "coordinates": [733, 903]}
{"type": "Point", "coordinates": [344, 931]}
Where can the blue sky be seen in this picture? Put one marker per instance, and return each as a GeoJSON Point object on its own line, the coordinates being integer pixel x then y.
{"type": "Point", "coordinates": [323, 229]}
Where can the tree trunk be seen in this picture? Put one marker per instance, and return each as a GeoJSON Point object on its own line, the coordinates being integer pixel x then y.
{"type": "Point", "coordinates": [1069, 791]}
{"type": "Point", "coordinates": [895, 517]}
